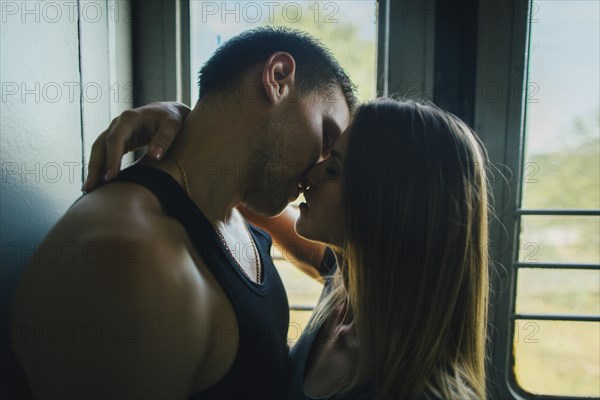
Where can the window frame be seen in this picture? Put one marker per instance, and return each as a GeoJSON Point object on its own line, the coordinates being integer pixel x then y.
{"type": "Point", "coordinates": [161, 51]}
{"type": "Point", "coordinates": [507, 64]}
{"type": "Point", "coordinates": [502, 61]}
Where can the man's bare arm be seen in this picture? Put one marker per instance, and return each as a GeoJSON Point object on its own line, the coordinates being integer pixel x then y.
{"type": "Point", "coordinates": [121, 322]}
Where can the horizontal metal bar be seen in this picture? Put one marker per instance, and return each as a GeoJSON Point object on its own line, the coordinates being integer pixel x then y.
{"type": "Point", "coordinates": [301, 308]}
{"type": "Point", "coordinates": [556, 265]}
{"type": "Point", "coordinates": [558, 317]}
{"type": "Point", "coordinates": [564, 212]}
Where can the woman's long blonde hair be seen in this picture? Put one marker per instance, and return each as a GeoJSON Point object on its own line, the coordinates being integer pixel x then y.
{"type": "Point", "coordinates": [414, 267]}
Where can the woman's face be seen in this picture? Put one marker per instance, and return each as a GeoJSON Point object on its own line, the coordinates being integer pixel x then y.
{"type": "Point", "coordinates": [321, 215]}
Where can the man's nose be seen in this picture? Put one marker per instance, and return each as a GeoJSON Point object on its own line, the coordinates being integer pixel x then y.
{"type": "Point", "coordinates": [311, 177]}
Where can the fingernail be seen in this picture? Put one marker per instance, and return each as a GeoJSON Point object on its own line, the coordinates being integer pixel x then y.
{"type": "Point", "coordinates": [156, 152]}
{"type": "Point", "coordinates": [108, 175]}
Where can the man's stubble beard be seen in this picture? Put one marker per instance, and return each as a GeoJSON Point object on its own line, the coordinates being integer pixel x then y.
{"type": "Point", "coordinates": [269, 189]}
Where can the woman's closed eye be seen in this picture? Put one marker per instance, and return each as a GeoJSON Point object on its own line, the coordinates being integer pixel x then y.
{"type": "Point", "coordinates": [331, 170]}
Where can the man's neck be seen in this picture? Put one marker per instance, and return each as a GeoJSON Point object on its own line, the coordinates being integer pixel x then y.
{"type": "Point", "coordinates": [212, 162]}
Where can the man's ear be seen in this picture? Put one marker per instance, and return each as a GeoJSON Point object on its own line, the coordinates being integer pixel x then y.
{"type": "Point", "coordinates": [279, 77]}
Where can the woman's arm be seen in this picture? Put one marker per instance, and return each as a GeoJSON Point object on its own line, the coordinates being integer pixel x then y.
{"type": "Point", "coordinates": [304, 254]}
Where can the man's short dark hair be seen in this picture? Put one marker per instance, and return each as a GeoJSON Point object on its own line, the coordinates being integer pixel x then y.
{"type": "Point", "coordinates": [316, 67]}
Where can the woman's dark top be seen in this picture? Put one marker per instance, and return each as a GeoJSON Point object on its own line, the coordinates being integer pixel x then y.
{"type": "Point", "coordinates": [301, 350]}
{"type": "Point", "coordinates": [262, 312]}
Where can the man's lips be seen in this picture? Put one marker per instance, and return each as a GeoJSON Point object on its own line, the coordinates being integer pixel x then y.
{"type": "Point", "coordinates": [303, 206]}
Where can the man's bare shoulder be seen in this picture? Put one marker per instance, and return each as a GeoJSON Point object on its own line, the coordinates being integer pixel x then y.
{"type": "Point", "coordinates": [115, 258]}
{"type": "Point", "coordinates": [119, 228]}
{"type": "Point", "coordinates": [118, 208]}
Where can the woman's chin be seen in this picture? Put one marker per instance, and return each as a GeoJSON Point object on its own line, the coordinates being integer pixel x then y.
{"type": "Point", "coordinates": [302, 229]}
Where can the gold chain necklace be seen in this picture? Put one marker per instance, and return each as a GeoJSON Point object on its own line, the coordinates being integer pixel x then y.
{"type": "Point", "coordinates": [220, 234]}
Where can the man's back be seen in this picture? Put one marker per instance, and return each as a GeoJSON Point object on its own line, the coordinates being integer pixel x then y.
{"type": "Point", "coordinates": [128, 299]}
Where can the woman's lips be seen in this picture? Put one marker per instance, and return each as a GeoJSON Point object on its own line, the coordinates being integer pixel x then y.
{"type": "Point", "coordinates": [303, 206]}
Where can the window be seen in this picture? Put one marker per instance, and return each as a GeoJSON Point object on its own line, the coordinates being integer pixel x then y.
{"type": "Point", "coordinates": [556, 336]}
{"type": "Point", "coordinates": [348, 29]}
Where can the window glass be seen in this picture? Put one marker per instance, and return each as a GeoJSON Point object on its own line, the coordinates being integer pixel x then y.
{"type": "Point", "coordinates": [347, 28]}
{"type": "Point", "coordinates": [561, 171]}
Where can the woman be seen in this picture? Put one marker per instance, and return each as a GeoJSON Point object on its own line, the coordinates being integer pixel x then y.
{"type": "Point", "coordinates": [410, 296]}
{"type": "Point", "coordinates": [402, 205]}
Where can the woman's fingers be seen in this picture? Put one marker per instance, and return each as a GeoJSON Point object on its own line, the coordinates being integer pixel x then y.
{"type": "Point", "coordinates": [95, 167]}
{"type": "Point", "coordinates": [108, 149]}
{"type": "Point", "coordinates": [96, 164]}
{"type": "Point", "coordinates": [128, 124]}
{"type": "Point", "coordinates": [115, 149]}
{"type": "Point", "coordinates": [167, 131]}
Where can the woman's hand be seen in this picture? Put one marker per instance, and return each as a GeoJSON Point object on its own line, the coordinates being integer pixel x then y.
{"type": "Point", "coordinates": [154, 125]}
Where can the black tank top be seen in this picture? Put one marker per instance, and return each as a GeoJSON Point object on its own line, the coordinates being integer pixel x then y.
{"type": "Point", "coordinates": [258, 371]}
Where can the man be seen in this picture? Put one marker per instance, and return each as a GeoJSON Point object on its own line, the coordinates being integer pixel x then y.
{"type": "Point", "coordinates": [154, 298]}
